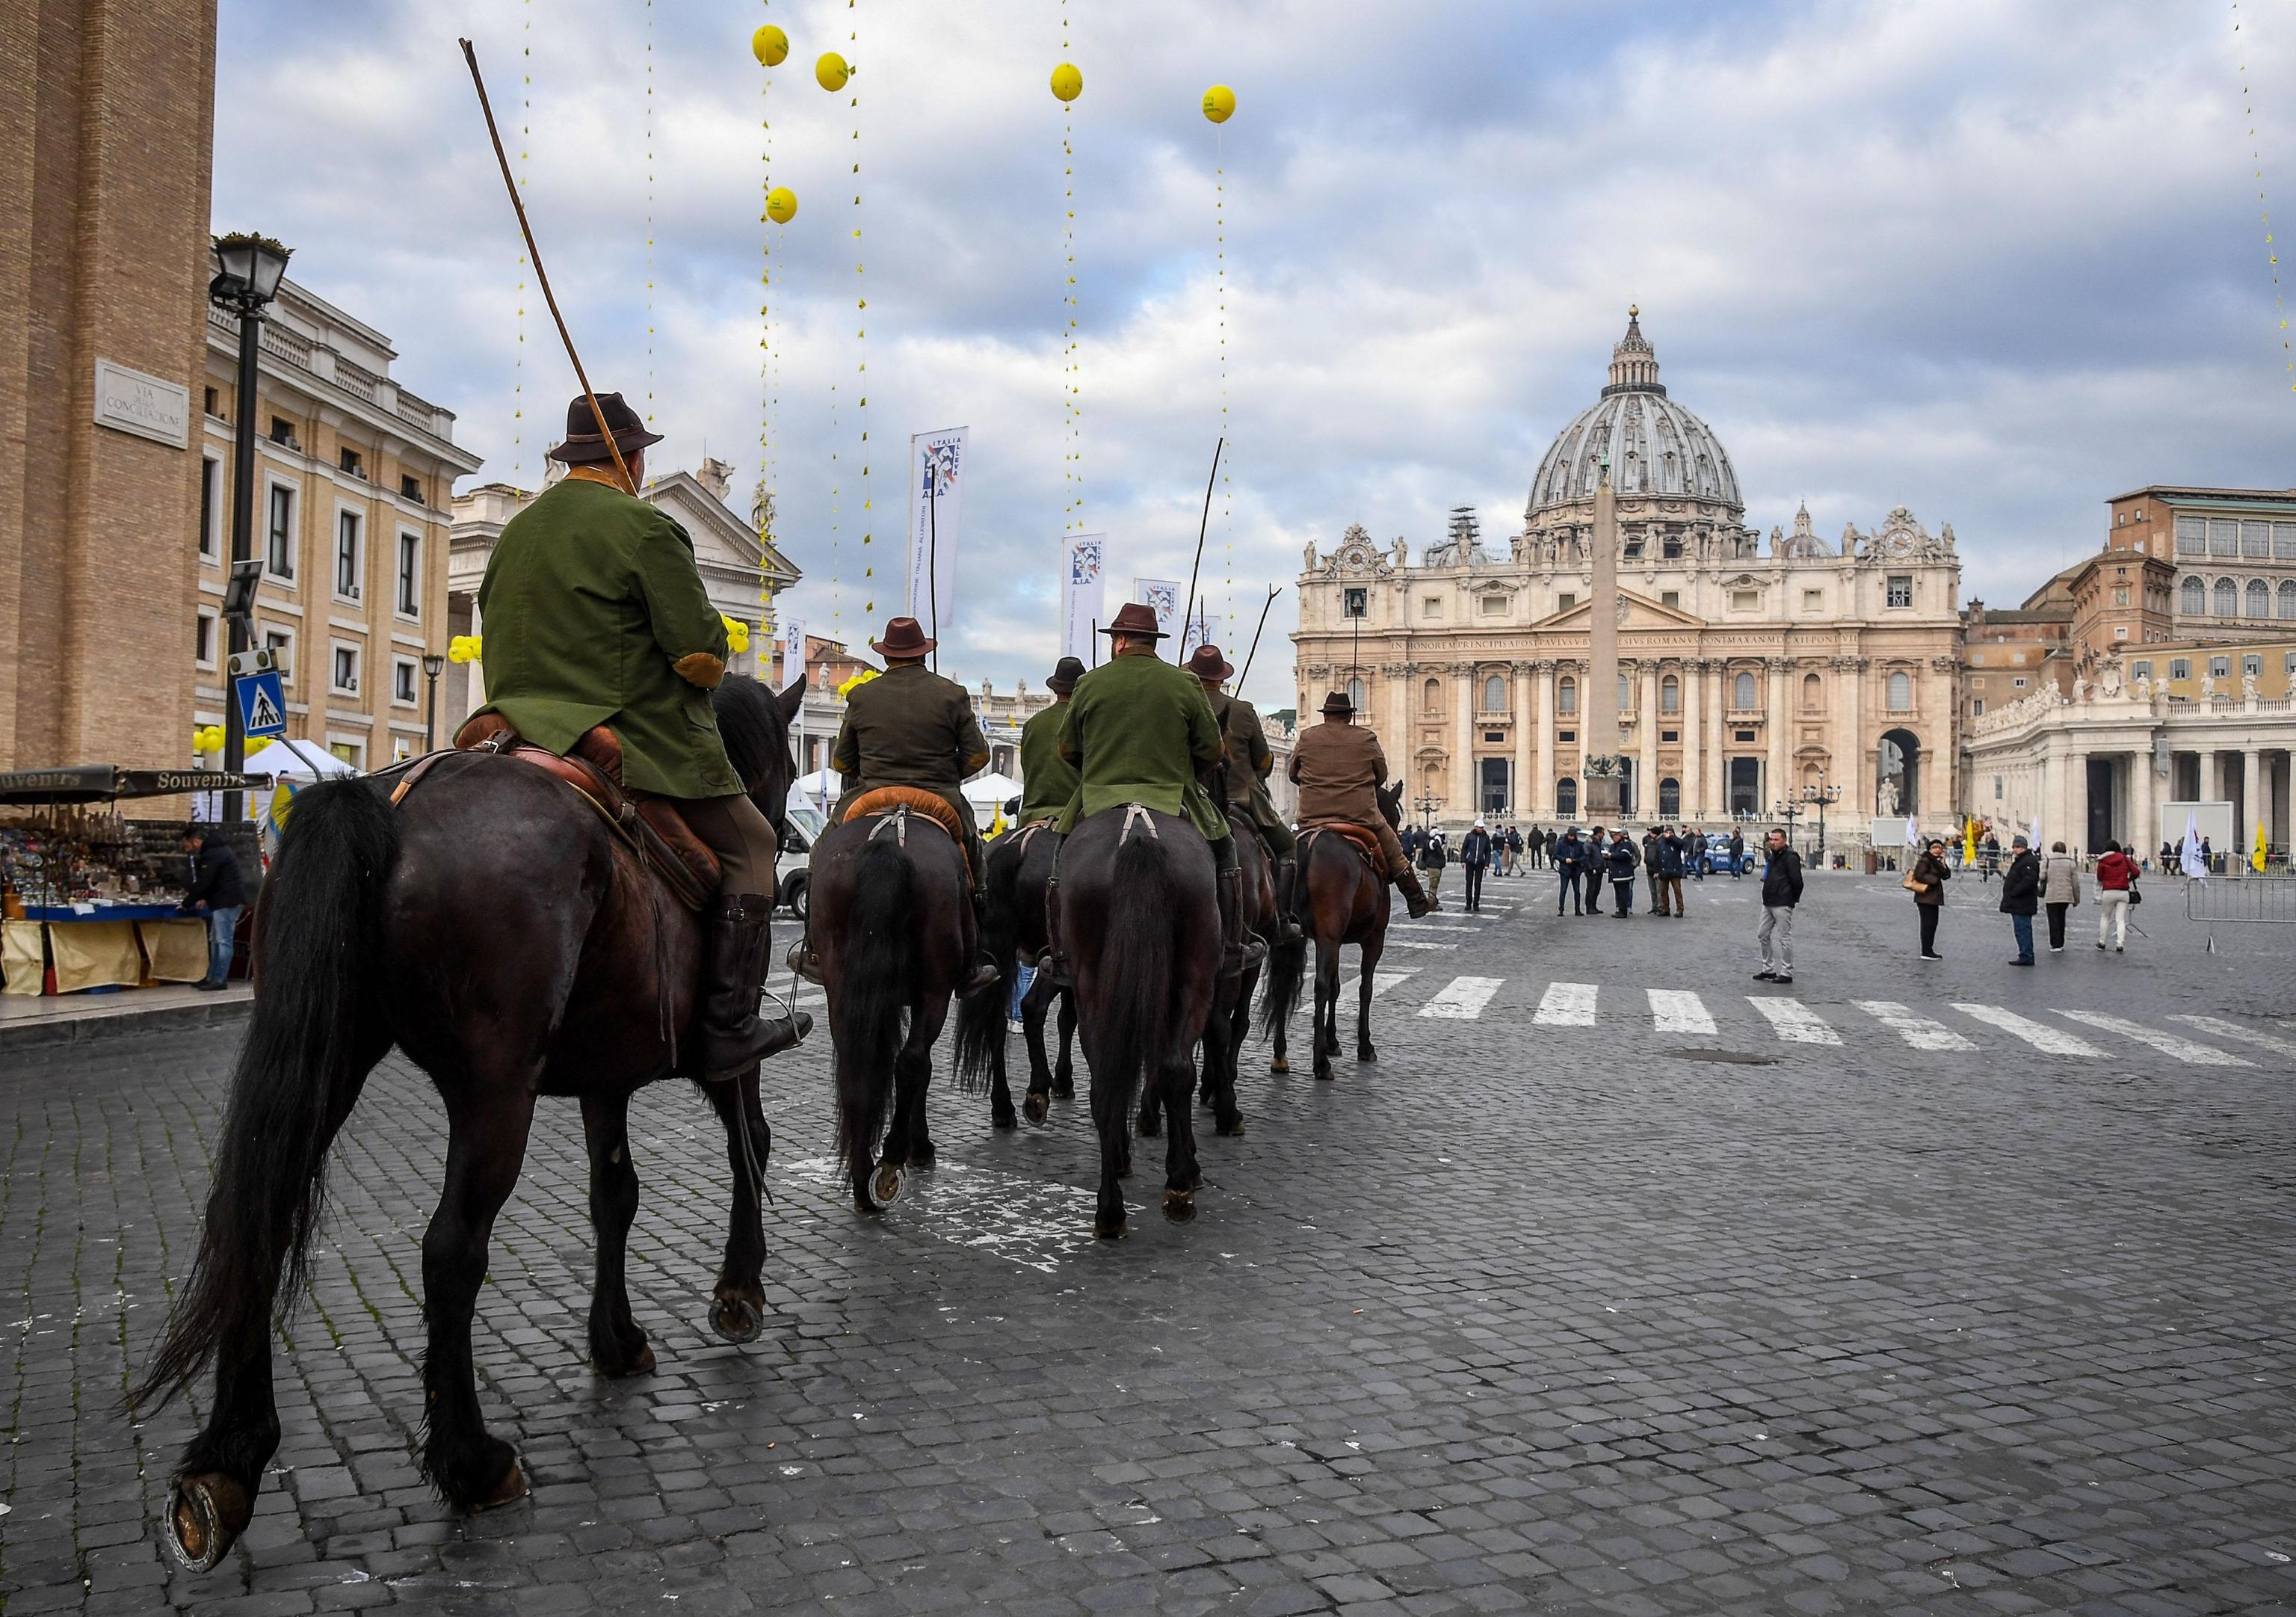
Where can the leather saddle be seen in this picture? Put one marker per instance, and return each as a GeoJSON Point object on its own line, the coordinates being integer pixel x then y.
{"type": "Point", "coordinates": [652, 826]}
{"type": "Point", "coordinates": [1364, 838]}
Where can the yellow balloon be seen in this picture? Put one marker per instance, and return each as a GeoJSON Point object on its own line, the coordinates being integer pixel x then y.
{"type": "Point", "coordinates": [832, 71]}
{"type": "Point", "coordinates": [781, 204]}
{"type": "Point", "coordinates": [1068, 84]}
{"type": "Point", "coordinates": [1219, 104]}
{"type": "Point", "coordinates": [769, 46]}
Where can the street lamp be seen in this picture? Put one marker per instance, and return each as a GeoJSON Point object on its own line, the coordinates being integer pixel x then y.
{"type": "Point", "coordinates": [1821, 794]}
{"type": "Point", "coordinates": [251, 267]}
{"type": "Point", "coordinates": [1426, 805]}
{"type": "Point", "coordinates": [1788, 809]}
{"type": "Point", "coordinates": [433, 665]}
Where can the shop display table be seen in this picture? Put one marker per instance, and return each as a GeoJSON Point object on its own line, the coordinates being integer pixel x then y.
{"type": "Point", "coordinates": [68, 949]}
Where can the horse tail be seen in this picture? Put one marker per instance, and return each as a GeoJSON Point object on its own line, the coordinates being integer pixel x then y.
{"type": "Point", "coordinates": [879, 960]}
{"type": "Point", "coordinates": [1287, 967]}
{"type": "Point", "coordinates": [318, 1026]}
{"type": "Point", "coordinates": [980, 1018]}
{"type": "Point", "coordinates": [1137, 963]}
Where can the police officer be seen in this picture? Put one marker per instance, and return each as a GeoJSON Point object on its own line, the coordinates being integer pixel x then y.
{"type": "Point", "coordinates": [1249, 763]}
{"type": "Point", "coordinates": [595, 615]}
{"type": "Point", "coordinates": [1338, 768]}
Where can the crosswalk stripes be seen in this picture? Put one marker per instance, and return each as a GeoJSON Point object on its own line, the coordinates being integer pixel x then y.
{"type": "Point", "coordinates": [1793, 1022]}
{"type": "Point", "coordinates": [2222, 1029]}
{"type": "Point", "coordinates": [2048, 1040]}
{"type": "Point", "coordinates": [1918, 1031]}
{"type": "Point", "coordinates": [1567, 1005]}
{"type": "Point", "coordinates": [1461, 1000]}
{"type": "Point", "coordinates": [1679, 1011]}
{"type": "Point", "coordinates": [1380, 984]}
{"type": "Point", "coordinates": [2168, 1044]}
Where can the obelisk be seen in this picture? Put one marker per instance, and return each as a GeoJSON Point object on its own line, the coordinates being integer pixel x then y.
{"type": "Point", "coordinates": [1600, 738]}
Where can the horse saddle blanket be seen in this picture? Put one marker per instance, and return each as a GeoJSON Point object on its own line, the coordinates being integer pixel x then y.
{"type": "Point", "coordinates": [1365, 840]}
{"type": "Point", "coordinates": [901, 801]}
{"type": "Point", "coordinates": [652, 826]}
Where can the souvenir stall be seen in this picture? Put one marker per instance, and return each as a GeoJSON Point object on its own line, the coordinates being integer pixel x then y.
{"type": "Point", "coordinates": [87, 895]}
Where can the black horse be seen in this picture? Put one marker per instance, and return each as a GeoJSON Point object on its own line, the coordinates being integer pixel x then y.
{"type": "Point", "coordinates": [1139, 915]}
{"type": "Point", "coordinates": [1019, 869]}
{"type": "Point", "coordinates": [495, 928]}
{"type": "Point", "coordinates": [889, 921]}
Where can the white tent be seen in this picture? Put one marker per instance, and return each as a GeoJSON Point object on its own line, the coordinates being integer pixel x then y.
{"type": "Point", "coordinates": [821, 788]}
{"type": "Point", "coordinates": [991, 788]}
{"type": "Point", "coordinates": [299, 760]}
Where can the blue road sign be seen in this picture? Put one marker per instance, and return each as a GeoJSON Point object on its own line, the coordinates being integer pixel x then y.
{"type": "Point", "coordinates": [262, 705]}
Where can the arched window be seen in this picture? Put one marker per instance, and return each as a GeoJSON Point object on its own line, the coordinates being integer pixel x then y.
{"type": "Point", "coordinates": [2228, 598]}
{"type": "Point", "coordinates": [2288, 598]}
{"type": "Point", "coordinates": [1669, 695]}
{"type": "Point", "coordinates": [1566, 696]}
{"type": "Point", "coordinates": [1670, 798]}
{"type": "Point", "coordinates": [2259, 598]}
{"type": "Point", "coordinates": [1901, 692]}
{"type": "Point", "coordinates": [1625, 693]}
{"type": "Point", "coordinates": [1358, 696]}
{"type": "Point", "coordinates": [1494, 699]}
{"type": "Point", "coordinates": [2196, 598]}
{"type": "Point", "coordinates": [1431, 698]}
{"type": "Point", "coordinates": [1813, 694]}
{"type": "Point", "coordinates": [1741, 693]}
{"type": "Point", "coordinates": [1566, 798]}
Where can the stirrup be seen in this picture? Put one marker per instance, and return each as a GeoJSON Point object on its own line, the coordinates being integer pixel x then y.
{"type": "Point", "coordinates": [800, 960]}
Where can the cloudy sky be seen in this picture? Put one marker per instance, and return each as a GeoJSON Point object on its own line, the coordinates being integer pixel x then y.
{"type": "Point", "coordinates": [1994, 262]}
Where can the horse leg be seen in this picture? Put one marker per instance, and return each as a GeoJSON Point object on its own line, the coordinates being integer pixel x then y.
{"type": "Point", "coordinates": [1115, 1154]}
{"type": "Point", "coordinates": [1227, 1118]}
{"type": "Point", "coordinates": [485, 1150]}
{"type": "Point", "coordinates": [1327, 1001]}
{"type": "Point", "coordinates": [1181, 1174]}
{"type": "Point", "coordinates": [913, 1075]}
{"type": "Point", "coordinates": [1371, 952]}
{"type": "Point", "coordinates": [617, 1346]}
{"type": "Point", "coordinates": [1064, 1069]}
{"type": "Point", "coordinates": [737, 1309]}
{"type": "Point", "coordinates": [1040, 1075]}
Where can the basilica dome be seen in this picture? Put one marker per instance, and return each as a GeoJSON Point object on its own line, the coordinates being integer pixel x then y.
{"type": "Point", "coordinates": [1653, 445]}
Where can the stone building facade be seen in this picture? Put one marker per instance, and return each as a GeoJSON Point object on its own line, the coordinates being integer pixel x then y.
{"type": "Point", "coordinates": [106, 132]}
{"type": "Point", "coordinates": [2231, 553]}
{"type": "Point", "coordinates": [1749, 671]}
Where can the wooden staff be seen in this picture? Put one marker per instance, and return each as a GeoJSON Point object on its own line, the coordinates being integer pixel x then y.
{"type": "Point", "coordinates": [1273, 590]}
{"type": "Point", "coordinates": [1189, 615]}
{"type": "Point", "coordinates": [534, 255]}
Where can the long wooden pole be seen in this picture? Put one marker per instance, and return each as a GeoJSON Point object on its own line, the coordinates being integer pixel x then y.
{"type": "Point", "coordinates": [1189, 616]}
{"type": "Point", "coordinates": [1273, 590]}
{"type": "Point", "coordinates": [534, 254]}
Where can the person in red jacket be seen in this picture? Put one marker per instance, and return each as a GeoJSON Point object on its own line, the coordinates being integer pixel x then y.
{"type": "Point", "coordinates": [2116, 880]}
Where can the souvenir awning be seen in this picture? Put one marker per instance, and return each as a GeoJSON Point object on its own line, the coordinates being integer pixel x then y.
{"type": "Point", "coordinates": [105, 783]}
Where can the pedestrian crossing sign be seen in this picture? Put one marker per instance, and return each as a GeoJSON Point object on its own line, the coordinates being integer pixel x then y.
{"type": "Point", "coordinates": [262, 704]}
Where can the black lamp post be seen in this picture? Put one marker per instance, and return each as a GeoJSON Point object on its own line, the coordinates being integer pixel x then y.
{"type": "Point", "coordinates": [433, 665]}
{"type": "Point", "coordinates": [1789, 809]}
{"type": "Point", "coordinates": [251, 268]}
{"type": "Point", "coordinates": [1821, 794]}
{"type": "Point", "coordinates": [1426, 805]}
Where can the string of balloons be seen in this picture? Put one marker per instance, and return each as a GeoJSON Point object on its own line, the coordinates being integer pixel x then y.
{"type": "Point", "coordinates": [2271, 253]}
{"type": "Point", "coordinates": [770, 46]}
{"type": "Point", "coordinates": [1219, 106]}
{"type": "Point", "coordinates": [1068, 84]}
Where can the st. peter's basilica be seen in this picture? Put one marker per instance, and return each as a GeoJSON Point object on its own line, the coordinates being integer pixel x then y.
{"type": "Point", "coordinates": [1749, 670]}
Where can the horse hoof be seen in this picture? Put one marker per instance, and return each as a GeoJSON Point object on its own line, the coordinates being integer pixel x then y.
{"type": "Point", "coordinates": [510, 1490]}
{"type": "Point", "coordinates": [1150, 1128]}
{"type": "Point", "coordinates": [1322, 1072]}
{"type": "Point", "coordinates": [1109, 1232]}
{"type": "Point", "coordinates": [923, 1158]}
{"type": "Point", "coordinates": [1008, 1119]}
{"type": "Point", "coordinates": [1035, 1107]}
{"type": "Point", "coordinates": [1364, 1053]}
{"type": "Point", "coordinates": [1232, 1127]}
{"type": "Point", "coordinates": [1064, 1088]}
{"type": "Point", "coordinates": [1279, 1065]}
{"type": "Point", "coordinates": [887, 1184]}
{"type": "Point", "coordinates": [736, 1318]}
{"type": "Point", "coordinates": [206, 1514]}
{"type": "Point", "coordinates": [1180, 1206]}
{"type": "Point", "coordinates": [640, 1363]}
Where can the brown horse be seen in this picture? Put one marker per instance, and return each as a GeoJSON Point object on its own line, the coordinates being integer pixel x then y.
{"type": "Point", "coordinates": [493, 927]}
{"type": "Point", "coordinates": [1139, 915]}
{"type": "Point", "coordinates": [1348, 902]}
{"type": "Point", "coordinates": [891, 923]}
{"type": "Point", "coordinates": [1020, 871]}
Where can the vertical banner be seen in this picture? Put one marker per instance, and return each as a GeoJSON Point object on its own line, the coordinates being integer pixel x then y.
{"type": "Point", "coordinates": [792, 647]}
{"type": "Point", "coordinates": [1161, 596]}
{"type": "Point", "coordinates": [1199, 632]}
{"type": "Point", "coordinates": [936, 492]}
{"type": "Point", "coordinates": [1083, 582]}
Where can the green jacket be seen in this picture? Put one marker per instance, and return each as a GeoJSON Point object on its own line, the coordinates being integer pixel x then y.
{"type": "Point", "coordinates": [1139, 731]}
{"type": "Point", "coordinates": [1047, 780]}
{"type": "Point", "coordinates": [594, 614]}
{"type": "Point", "coordinates": [1249, 762]}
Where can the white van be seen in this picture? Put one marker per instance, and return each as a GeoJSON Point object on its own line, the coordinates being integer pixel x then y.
{"type": "Point", "coordinates": [793, 869]}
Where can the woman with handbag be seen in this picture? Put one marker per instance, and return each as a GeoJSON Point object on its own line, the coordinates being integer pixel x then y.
{"type": "Point", "coordinates": [2061, 886]}
{"type": "Point", "coordinates": [1926, 881]}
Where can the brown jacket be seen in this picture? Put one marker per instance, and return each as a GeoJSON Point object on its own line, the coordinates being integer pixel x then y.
{"type": "Point", "coordinates": [1336, 765]}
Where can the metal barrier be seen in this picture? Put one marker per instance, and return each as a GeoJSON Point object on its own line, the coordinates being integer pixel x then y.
{"type": "Point", "coordinates": [2241, 898]}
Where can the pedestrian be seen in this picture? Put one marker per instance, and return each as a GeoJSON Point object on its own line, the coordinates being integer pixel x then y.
{"type": "Point", "coordinates": [1622, 860]}
{"type": "Point", "coordinates": [1514, 850]}
{"type": "Point", "coordinates": [1598, 869]}
{"type": "Point", "coordinates": [1988, 858]}
{"type": "Point", "coordinates": [2116, 890]}
{"type": "Point", "coordinates": [1650, 864]}
{"type": "Point", "coordinates": [1433, 857]}
{"type": "Point", "coordinates": [1697, 860]}
{"type": "Point", "coordinates": [1927, 879]}
{"type": "Point", "coordinates": [217, 892]}
{"type": "Point", "coordinates": [1780, 891]}
{"type": "Point", "coordinates": [2207, 857]}
{"type": "Point", "coordinates": [1475, 857]}
{"type": "Point", "coordinates": [1570, 867]}
{"type": "Point", "coordinates": [1667, 877]}
{"type": "Point", "coordinates": [1737, 855]}
{"type": "Point", "coordinates": [2021, 897]}
{"type": "Point", "coordinates": [2061, 886]}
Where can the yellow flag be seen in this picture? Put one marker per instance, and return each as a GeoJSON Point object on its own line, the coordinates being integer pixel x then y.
{"type": "Point", "coordinates": [2256, 859]}
{"type": "Point", "coordinates": [1969, 839]}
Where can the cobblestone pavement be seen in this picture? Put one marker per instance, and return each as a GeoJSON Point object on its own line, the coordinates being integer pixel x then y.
{"type": "Point", "coordinates": [1580, 1300]}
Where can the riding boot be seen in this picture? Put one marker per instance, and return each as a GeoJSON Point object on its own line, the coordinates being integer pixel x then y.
{"type": "Point", "coordinates": [1239, 952]}
{"type": "Point", "coordinates": [1406, 883]}
{"type": "Point", "coordinates": [1053, 959]}
{"type": "Point", "coordinates": [733, 1037]}
{"type": "Point", "coordinates": [1287, 919]}
{"type": "Point", "coordinates": [985, 974]}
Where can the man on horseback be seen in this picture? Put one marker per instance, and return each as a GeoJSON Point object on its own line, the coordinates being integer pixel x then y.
{"type": "Point", "coordinates": [1140, 731]}
{"type": "Point", "coordinates": [597, 618]}
{"type": "Point", "coordinates": [1249, 763]}
{"type": "Point", "coordinates": [1048, 780]}
{"type": "Point", "coordinates": [1338, 768]}
{"type": "Point", "coordinates": [911, 728]}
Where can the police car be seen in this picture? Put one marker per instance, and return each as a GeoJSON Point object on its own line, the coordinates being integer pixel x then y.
{"type": "Point", "coordinates": [793, 869]}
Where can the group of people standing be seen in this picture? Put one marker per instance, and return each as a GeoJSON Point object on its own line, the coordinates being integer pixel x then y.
{"type": "Point", "coordinates": [1665, 853]}
{"type": "Point", "coordinates": [2032, 885]}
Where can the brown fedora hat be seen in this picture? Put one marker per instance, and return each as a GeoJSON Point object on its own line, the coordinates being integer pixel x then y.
{"type": "Point", "coordinates": [1207, 663]}
{"type": "Point", "coordinates": [1135, 620]}
{"type": "Point", "coordinates": [1065, 674]}
{"type": "Point", "coordinates": [585, 445]}
{"type": "Point", "coordinates": [904, 638]}
{"type": "Point", "coordinates": [1337, 706]}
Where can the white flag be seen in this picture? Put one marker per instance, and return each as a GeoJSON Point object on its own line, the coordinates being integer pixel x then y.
{"type": "Point", "coordinates": [1163, 596]}
{"type": "Point", "coordinates": [2033, 834]}
{"type": "Point", "coordinates": [1912, 832]}
{"type": "Point", "coordinates": [936, 492]}
{"type": "Point", "coordinates": [2194, 866]}
{"type": "Point", "coordinates": [792, 648]}
{"type": "Point", "coordinates": [1083, 580]}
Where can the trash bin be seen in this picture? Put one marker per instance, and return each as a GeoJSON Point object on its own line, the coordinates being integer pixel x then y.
{"type": "Point", "coordinates": [1873, 863]}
